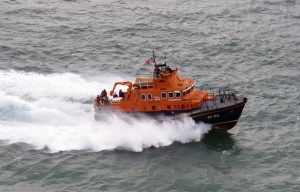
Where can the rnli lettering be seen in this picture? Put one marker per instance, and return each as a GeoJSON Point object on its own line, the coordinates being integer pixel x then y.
{"type": "Point", "coordinates": [213, 116]}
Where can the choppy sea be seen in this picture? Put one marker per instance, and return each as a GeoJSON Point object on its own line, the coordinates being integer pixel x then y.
{"type": "Point", "coordinates": [56, 55]}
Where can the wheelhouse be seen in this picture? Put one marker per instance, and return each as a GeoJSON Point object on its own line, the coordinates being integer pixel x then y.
{"type": "Point", "coordinates": [164, 90]}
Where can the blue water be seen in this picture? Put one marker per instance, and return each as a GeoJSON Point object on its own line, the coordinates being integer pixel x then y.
{"type": "Point", "coordinates": [56, 55]}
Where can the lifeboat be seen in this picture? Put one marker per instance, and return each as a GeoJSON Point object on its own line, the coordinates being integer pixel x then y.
{"type": "Point", "coordinates": [166, 93]}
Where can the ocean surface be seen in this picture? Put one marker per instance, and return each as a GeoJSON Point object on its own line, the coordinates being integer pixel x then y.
{"type": "Point", "coordinates": [56, 55]}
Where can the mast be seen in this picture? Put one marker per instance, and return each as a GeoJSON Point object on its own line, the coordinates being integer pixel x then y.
{"type": "Point", "coordinates": [153, 57]}
{"type": "Point", "coordinates": [159, 67]}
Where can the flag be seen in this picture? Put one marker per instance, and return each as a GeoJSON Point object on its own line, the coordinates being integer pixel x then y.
{"type": "Point", "coordinates": [148, 62]}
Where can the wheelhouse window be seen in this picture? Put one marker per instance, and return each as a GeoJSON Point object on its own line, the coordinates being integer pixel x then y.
{"type": "Point", "coordinates": [171, 95]}
{"type": "Point", "coordinates": [149, 95]}
{"type": "Point", "coordinates": [143, 96]}
{"type": "Point", "coordinates": [177, 94]}
{"type": "Point", "coordinates": [163, 95]}
{"type": "Point", "coordinates": [187, 91]}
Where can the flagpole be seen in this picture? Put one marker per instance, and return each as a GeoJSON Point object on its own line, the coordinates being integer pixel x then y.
{"type": "Point", "coordinates": [153, 57]}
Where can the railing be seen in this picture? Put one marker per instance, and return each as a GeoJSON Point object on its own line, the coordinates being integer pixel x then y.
{"type": "Point", "coordinates": [224, 95]}
{"type": "Point", "coordinates": [144, 82]}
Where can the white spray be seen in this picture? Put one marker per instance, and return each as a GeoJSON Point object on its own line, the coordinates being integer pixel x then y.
{"type": "Point", "coordinates": [54, 111]}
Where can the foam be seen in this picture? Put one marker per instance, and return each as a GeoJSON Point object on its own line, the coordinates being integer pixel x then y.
{"type": "Point", "coordinates": [54, 111]}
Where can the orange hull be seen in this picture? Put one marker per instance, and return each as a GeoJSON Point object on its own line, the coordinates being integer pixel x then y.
{"type": "Point", "coordinates": [168, 93]}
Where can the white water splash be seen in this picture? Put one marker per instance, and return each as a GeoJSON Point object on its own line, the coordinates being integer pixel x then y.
{"type": "Point", "coordinates": [52, 111]}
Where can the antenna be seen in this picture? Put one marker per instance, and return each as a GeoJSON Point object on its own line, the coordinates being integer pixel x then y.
{"type": "Point", "coordinates": [153, 57]}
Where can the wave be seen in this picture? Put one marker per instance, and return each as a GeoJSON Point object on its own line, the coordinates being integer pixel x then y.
{"type": "Point", "coordinates": [54, 111]}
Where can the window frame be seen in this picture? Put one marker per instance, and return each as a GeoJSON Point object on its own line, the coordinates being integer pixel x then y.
{"type": "Point", "coordinates": [143, 96]}
{"type": "Point", "coordinates": [177, 92]}
{"type": "Point", "coordinates": [149, 98]}
{"type": "Point", "coordinates": [169, 95]}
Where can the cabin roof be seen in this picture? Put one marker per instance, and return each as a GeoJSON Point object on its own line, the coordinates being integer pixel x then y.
{"type": "Point", "coordinates": [143, 80]}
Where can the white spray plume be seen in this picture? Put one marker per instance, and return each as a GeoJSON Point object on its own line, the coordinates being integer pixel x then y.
{"type": "Point", "coordinates": [51, 111]}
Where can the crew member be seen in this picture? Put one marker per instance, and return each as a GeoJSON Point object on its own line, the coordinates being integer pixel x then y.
{"type": "Point", "coordinates": [115, 95]}
{"type": "Point", "coordinates": [169, 70]}
{"type": "Point", "coordinates": [103, 96]}
{"type": "Point", "coordinates": [121, 93]}
{"type": "Point", "coordinates": [97, 103]}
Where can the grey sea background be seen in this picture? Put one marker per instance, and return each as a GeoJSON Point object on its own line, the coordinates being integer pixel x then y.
{"type": "Point", "coordinates": [56, 55]}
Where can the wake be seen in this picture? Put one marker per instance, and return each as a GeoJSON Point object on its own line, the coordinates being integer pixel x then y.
{"type": "Point", "coordinates": [55, 112]}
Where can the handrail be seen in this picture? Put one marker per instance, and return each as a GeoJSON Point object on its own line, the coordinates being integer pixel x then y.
{"type": "Point", "coordinates": [127, 83]}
